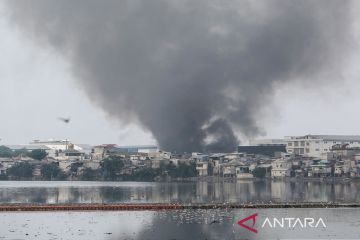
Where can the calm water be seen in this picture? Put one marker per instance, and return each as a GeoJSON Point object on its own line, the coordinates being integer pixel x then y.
{"type": "Point", "coordinates": [190, 192]}
{"type": "Point", "coordinates": [181, 224]}
{"type": "Point", "coordinates": [187, 225]}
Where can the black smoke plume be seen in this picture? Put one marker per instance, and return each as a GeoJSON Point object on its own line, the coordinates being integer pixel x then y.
{"type": "Point", "coordinates": [195, 73]}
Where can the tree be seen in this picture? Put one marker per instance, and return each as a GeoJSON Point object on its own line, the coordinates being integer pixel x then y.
{"type": "Point", "coordinates": [144, 174]}
{"type": "Point", "coordinates": [259, 172]}
{"type": "Point", "coordinates": [182, 170]}
{"type": "Point", "coordinates": [111, 167]}
{"type": "Point", "coordinates": [89, 174]}
{"type": "Point", "coordinates": [52, 171]}
{"type": "Point", "coordinates": [21, 170]}
{"type": "Point", "coordinates": [74, 167]}
{"type": "Point", "coordinates": [37, 154]}
{"type": "Point", "coordinates": [187, 170]}
{"type": "Point", "coordinates": [3, 177]}
{"type": "Point", "coordinates": [21, 152]}
{"type": "Point", "coordinates": [5, 152]}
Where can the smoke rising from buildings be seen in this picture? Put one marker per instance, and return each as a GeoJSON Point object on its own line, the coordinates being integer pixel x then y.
{"type": "Point", "coordinates": [194, 73]}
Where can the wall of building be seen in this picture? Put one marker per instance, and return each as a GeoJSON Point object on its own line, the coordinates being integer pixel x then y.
{"type": "Point", "coordinates": [268, 150]}
{"type": "Point", "coordinates": [318, 145]}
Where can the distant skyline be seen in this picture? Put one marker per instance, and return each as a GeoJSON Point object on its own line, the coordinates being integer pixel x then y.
{"type": "Point", "coordinates": [37, 87]}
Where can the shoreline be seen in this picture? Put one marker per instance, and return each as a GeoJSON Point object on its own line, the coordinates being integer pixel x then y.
{"type": "Point", "coordinates": [161, 206]}
{"type": "Point", "coordinates": [211, 179]}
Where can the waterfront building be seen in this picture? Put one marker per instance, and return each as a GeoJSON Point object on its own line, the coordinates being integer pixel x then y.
{"type": "Point", "coordinates": [319, 145]}
{"type": "Point", "coordinates": [281, 168]}
{"type": "Point", "coordinates": [202, 168]}
{"type": "Point", "coordinates": [320, 168]}
{"type": "Point", "coordinates": [243, 172]}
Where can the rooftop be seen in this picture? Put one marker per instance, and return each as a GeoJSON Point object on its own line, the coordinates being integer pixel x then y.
{"type": "Point", "coordinates": [327, 137]}
{"type": "Point", "coordinates": [28, 147]}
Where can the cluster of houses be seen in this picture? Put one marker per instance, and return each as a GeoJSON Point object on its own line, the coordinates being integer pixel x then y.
{"type": "Point", "coordinates": [344, 163]}
{"type": "Point", "coordinates": [310, 156]}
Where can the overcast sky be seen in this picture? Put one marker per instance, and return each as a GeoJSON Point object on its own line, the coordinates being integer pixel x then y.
{"type": "Point", "coordinates": [37, 87]}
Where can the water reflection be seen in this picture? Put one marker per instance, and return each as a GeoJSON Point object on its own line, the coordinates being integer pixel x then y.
{"type": "Point", "coordinates": [213, 224]}
{"type": "Point", "coordinates": [190, 192]}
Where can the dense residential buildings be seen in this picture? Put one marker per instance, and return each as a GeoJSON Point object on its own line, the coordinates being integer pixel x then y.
{"type": "Point", "coordinates": [304, 157]}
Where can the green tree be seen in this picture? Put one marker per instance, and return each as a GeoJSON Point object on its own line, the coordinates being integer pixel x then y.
{"type": "Point", "coordinates": [3, 177]}
{"type": "Point", "coordinates": [259, 172]}
{"type": "Point", "coordinates": [144, 174]}
{"type": "Point", "coordinates": [37, 154]}
{"type": "Point", "coordinates": [170, 169]}
{"type": "Point", "coordinates": [89, 174]}
{"type": "Point", "coordinates": [111, 167]}
{"type": "Point", "coordinates": [21, 170]}
{"type": "Point", "coordinates": [21, 152]}
{"type": "Point", "coordinates": [74, 166]}
{"type": "Point", "coordinates": [182, 170]}
{"type": "Point", "coordinates": [52, 171]}
{"type": "Point", "coordinates": [186, 170]}
{"type": "Point", "coordinates": [5, 152]}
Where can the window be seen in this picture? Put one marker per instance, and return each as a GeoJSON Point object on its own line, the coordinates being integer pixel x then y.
{"type": "Point", "coordinates": [317, 149]}
{"type": "Point", "coordinates": [302, 143]}
{"type": "Point", "coordinates": [296, 144]}
{"type": "Point", "coordinates": [307, 150]}
{"type": "Point", "coordinates": [289, 144]}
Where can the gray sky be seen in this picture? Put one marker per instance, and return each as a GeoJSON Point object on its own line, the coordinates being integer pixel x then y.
{"type": "Point", "coordinates": [37, 87]}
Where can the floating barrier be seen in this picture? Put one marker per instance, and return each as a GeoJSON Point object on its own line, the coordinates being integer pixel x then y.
{"type": "Point", "coordinates": [156, 207]}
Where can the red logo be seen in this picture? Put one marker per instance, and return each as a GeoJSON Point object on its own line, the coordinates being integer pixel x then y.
{"type": "Point", "coordinates": [242, 221]}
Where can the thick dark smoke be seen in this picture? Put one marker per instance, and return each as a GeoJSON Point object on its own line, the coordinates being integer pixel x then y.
{"type": "Point", "coordinates": [194, 73]}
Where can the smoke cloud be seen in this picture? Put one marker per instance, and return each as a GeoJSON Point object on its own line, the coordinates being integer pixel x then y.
{"type": "Point", "coordinates": [194, 73]}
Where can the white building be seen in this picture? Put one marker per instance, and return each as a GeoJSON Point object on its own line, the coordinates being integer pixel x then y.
{"type": "Point", "coordinates": [139, 149]}
{"type": "Point", "coordinates": [55, 146]}
{"type": "Point", "coordinates": [202, 168]}
{"type": "Point", "coordinates": [318, 145]}
{"type": "Point", "coordinates": [5, 164]}
{"type": "Point", "coordinates": [264, 142]}
{"type": "Point", "coordinates": [70, 155]}
{"type": "Point", "coordinates": [93, 164]}
{"type": "Point", "coordinates": [280, 168]}
{"type": "Point", "coordinates": [243, 172]}
{"type": "Point", "coordinates": [159, 154]}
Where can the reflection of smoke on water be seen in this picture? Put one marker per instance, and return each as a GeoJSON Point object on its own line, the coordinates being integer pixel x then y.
{"type": "Point", "coordinates": [186, 225]}
{"type": "Point", "coordinates": [190, 224]}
